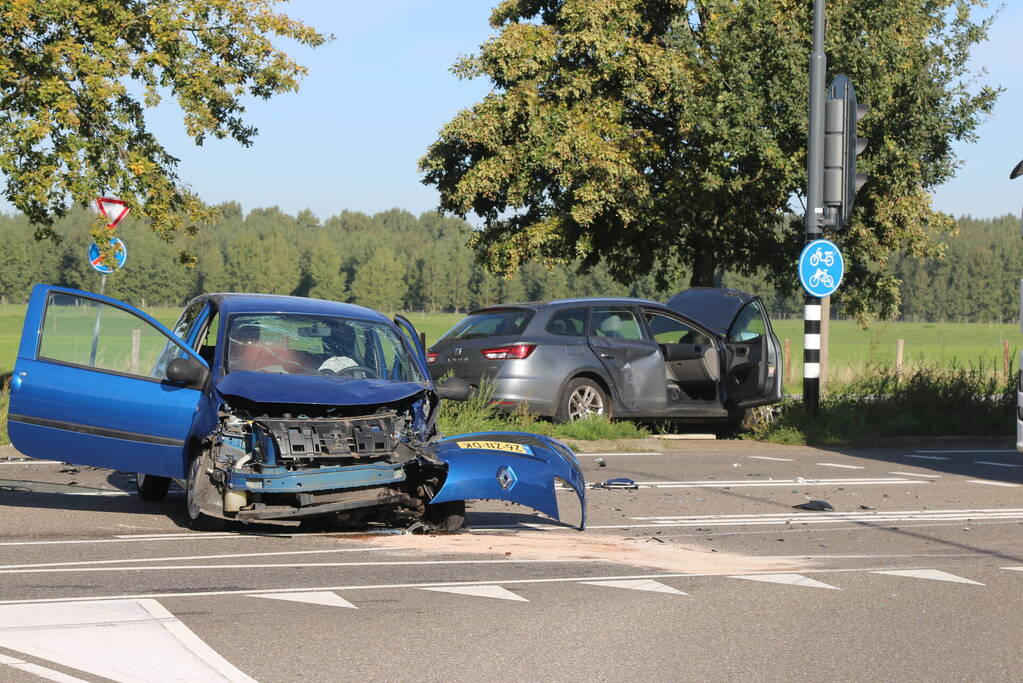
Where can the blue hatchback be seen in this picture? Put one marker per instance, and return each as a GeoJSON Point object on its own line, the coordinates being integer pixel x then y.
{"type": "Point", "coordinates": [268, 407]}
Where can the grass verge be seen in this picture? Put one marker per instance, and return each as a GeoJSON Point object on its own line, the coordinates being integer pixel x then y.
{"type": "Point", "coordinates": [929, 401]}
{"type": "Point", "coordinates": [478, 414]}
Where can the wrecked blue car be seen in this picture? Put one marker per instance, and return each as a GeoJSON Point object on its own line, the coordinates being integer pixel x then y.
{"type": "Point", "coordinates": [269, 408]}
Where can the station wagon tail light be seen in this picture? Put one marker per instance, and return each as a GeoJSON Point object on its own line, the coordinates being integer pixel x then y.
{"type": "Point", "coordinates": [431, 356]}
{"type": "Point", "coordinates": [519, 351]}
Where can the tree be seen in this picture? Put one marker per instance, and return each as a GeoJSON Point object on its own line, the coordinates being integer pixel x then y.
{"type": "Point", "coordinates": [655, 134]}
{"type": "Point", "coordinates": [77, 76]}
{"type": "Point", "coordinates": [379, 281]}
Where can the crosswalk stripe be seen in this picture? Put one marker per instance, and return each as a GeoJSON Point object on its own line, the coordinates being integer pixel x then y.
{"type": "Point", "coordinates": [932, 574]}
{"type": "Point", "coordinates": [787, 579]}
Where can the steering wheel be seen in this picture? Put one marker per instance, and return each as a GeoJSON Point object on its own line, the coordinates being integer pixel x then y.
{"type": "Point", "coordinates": [368, 373]}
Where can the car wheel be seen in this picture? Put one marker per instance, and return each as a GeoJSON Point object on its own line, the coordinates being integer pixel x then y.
{"type": "Point", "coordinates": [582, 398]}
{"type": "Point", "coordinates": [446, 517]}
{"type": "Point", "coordinates": [151, 487]}
{"type": "Point", "coordinates": [196, 518]}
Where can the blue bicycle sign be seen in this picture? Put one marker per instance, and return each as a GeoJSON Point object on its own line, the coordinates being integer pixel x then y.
{"type": "Point", "coordinates": [821, 268]}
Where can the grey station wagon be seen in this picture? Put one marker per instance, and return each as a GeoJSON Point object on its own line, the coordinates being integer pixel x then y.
{"type": "Point", "coordinates": [706, 355]}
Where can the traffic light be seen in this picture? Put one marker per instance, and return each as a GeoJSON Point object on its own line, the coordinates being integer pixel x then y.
{"type": "Point", "coordinates": [841, 147]}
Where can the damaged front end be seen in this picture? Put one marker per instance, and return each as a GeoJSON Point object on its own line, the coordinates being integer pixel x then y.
{"type": "Point", "coordinates": [370, 464]}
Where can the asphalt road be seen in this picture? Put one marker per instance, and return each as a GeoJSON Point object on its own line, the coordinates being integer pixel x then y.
{"type": "Point", "coordinates": [705, 572]}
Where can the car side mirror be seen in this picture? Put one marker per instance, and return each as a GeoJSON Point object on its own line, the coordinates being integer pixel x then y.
{"type": "Point", "coordinates": [453, 389]}
{"type": "Point", "coordinates": [186, 371]}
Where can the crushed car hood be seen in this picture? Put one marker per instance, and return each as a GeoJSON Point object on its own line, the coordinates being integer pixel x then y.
{"type": "Point", "coordinates": [263, 387]}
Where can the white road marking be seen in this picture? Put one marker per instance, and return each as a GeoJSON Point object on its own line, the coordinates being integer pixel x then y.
{"type": "Point", "coordinates": [932, 574]}
{"type": "Point", "coordinates": [286, 565]}
{"type": "Point", "coordinates": [31, 462]}
{"type": "Point", "coordinates": [992, 483]}
{"type": "Point", "coordinates": [41, 671]}
{"type": "Point", "coordinates": [191, 557]}
{"type": "Point", "coordinates": [1014, 569]}
{"type": "Point", "coordinates": [766, 457]}
{"type": "Point", "coordinates": [804, 518]}
{"type": "Point", "coordinates": [97, 492]}
{"type": "Point", "coordinates": [747, 483]}
{"type": "Point", "coordinates": [596, 455]}
{"type": "Point", "coordinates": [973, 450]}
{"type": "Point", "coordinates": [123, 640]}
{"type": "Point", "coordinates": [996, 464]}
{"type": "Point", "coordinates": [388, 586]}
{"type": "Point", "coordinates": [917, 474]}
{"type": "Point", "coordinates": [638, 585]}
{"type": "Point", "coordinates": [485, 591]}
{"type": "Point", "coordinates": [312, 597]}
{"type": "Point", "coordinates": [787, 579]}
{"type": "Point", "coordinates": [197, 537]}
{"type": "Point", "coordinates": [190, 534]}
{"type": "Point", "coordinates": [844, 467]}
{"type": "Point", "coordinates": [928, 457]}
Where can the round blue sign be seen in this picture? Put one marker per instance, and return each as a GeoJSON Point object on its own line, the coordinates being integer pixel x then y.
{"type": "Point", "coordinates": [120, 256]}
{"type": "Point", "coordinates": [821, 268]}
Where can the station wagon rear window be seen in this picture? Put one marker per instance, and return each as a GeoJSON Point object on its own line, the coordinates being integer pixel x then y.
{"type": "Point", "coordinates": [499, 323]}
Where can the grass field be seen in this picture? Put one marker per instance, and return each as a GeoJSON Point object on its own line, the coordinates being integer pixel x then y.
{"type": "Point", "coordinates": [851, 350]}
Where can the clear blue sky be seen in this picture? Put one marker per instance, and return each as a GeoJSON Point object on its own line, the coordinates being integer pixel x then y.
{"type": "Point", "coordinates": [376, 97]}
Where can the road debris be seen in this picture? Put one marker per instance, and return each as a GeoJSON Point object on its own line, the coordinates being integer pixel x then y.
{"type": "Point", "coordinates": [601, 462]}
{"type": "Point", "coordinates": [815, 506]}
{"type": "Point", "coordinates": [617, 483]}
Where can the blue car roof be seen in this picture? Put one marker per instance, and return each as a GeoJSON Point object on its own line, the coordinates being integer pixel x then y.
{"type": "Point", "coordinates": [236, 302]}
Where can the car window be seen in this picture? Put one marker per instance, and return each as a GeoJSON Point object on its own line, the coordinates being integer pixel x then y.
{"type": "Point", "coordinates": [569, 322]}
{"type": "Point", "coordinates": [187, 319]}
{"type": "Point", "coordinates": [300, 344]}
{"type": "Point", "coordinates": [667, 330]}
{"type": "Point", "coordinates": [96, 335]}
{"type": "Point", "coordinates": [510, 321]}
{"type": "Point", "coordinates": [616, 323]}
{"type": "Point", "coordinates": [748, 324]}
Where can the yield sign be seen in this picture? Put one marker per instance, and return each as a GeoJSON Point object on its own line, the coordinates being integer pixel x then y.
{"type": "Point", "coordinates": [114, 210]}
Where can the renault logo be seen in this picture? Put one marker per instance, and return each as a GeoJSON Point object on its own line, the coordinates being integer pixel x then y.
{"type": "Point", "coordinates": [506, 477]}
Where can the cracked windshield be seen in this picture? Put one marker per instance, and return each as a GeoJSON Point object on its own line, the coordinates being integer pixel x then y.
{"type": "Point", "coordinates": [318, 345]}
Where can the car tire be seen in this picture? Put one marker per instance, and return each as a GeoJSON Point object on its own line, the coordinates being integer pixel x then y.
{"type": "Point", "coordinates": [198, 520]}
{"type": "Point", "coordinates": [151, 487]}
{"type": "Point", "coordinates": [446, 517]}
{"type": "Point", "coordinates": [582, 397]}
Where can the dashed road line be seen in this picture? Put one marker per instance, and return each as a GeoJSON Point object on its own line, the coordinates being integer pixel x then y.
{"type": "Point", "coordinates": [174, 558]}
{"type": "Point", "coordinates": [972, 450]}
{"type": "Point", "coordinates": [918, 474]}
{"type": "Point", "coordinates": [996, 464]}
{"type": "Point", "coordinates": [992, 483]}
{"type": "Point", "coordinates": [844, 467]}
{"type": "Point", "coordinates": [787, 579]}
{"type": "Point", "coordinates": [927, 457]}
{"type": "Point", "coordinates": [931, 574]}
{"type": "Point", "coordinates": [325, 598]}
{"type": "Point", "coordinates": [487, 591]}
{"type": "Point", "coordinates": [744, 483]}
{"type": "Point", "coordinates": [767, 457]}
{"type": "Point", "coordinates": [602, 455]}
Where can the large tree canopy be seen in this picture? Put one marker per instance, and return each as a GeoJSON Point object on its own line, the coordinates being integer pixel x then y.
{"type": "Point", "coordinates": [653, 134]}
{"type": "Point", "coordinates": [76, 77]}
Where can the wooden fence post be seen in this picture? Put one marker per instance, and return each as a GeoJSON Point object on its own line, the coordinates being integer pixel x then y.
{"type": "Point", "coordinates": [900, 347]}
{"type": "Point", "coordinates": [1005, 359]}
{"type": "Point", "coordinates": [788, 360]}
{"type": "Point", "coordinates": [133, 363]}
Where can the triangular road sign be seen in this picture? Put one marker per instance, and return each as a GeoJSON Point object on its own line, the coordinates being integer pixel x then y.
{"type": "Point", "coordinates": [114, 210]}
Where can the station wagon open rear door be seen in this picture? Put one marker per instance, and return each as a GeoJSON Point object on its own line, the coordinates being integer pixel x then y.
{"type": "Point", "coordinates": [90, 385]}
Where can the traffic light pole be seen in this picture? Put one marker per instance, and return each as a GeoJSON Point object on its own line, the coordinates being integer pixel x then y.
{"type": "Point", "coordinates": [814, 209]}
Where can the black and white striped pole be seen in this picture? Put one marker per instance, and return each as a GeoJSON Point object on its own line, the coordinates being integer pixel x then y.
{"type": "Point", "coordinates": [814, 209]}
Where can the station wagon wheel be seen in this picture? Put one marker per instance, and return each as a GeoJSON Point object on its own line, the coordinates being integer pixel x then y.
{"type": "Point", "coordinates": [196, 518]}
{"type": "Point", "coordinates": [446, 517]}
{"type": "Point", "coordinates": [151, 487]}
{"type": "Point", "coordinates": [582, 398]}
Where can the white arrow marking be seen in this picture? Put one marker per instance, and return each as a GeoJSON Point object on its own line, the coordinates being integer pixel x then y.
{"type": "Point", "coordinates": [932, 574]}
{"type": "Point", "coordinates": [638, 585]}
{"type": "Point", "coordinates": [312, 597]}
{"type": "Point", "coordinates": [788, 579]}
{"type": "Point", "coordinates": [480, 592]}
{"type": "Point", "coordinates": [123, 640]}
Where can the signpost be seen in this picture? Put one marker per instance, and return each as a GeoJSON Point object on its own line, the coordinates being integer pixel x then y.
{"type": "Point", "coordinates": [114, 211]}
{"type": "Point", "coordinates": [821, 268]}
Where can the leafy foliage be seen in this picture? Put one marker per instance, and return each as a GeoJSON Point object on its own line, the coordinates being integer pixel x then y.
{"type": "Point", "coordinates": [78, 75]}
{"type": "Point", "coordinates": [656, 134]}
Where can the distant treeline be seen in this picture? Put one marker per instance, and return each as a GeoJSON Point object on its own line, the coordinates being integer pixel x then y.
{"type": "Point", "coordinates": [397, 261]}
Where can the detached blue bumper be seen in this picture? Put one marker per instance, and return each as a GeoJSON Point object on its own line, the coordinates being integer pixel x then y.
{"type": "Point", "coordinates": [514, 466]}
